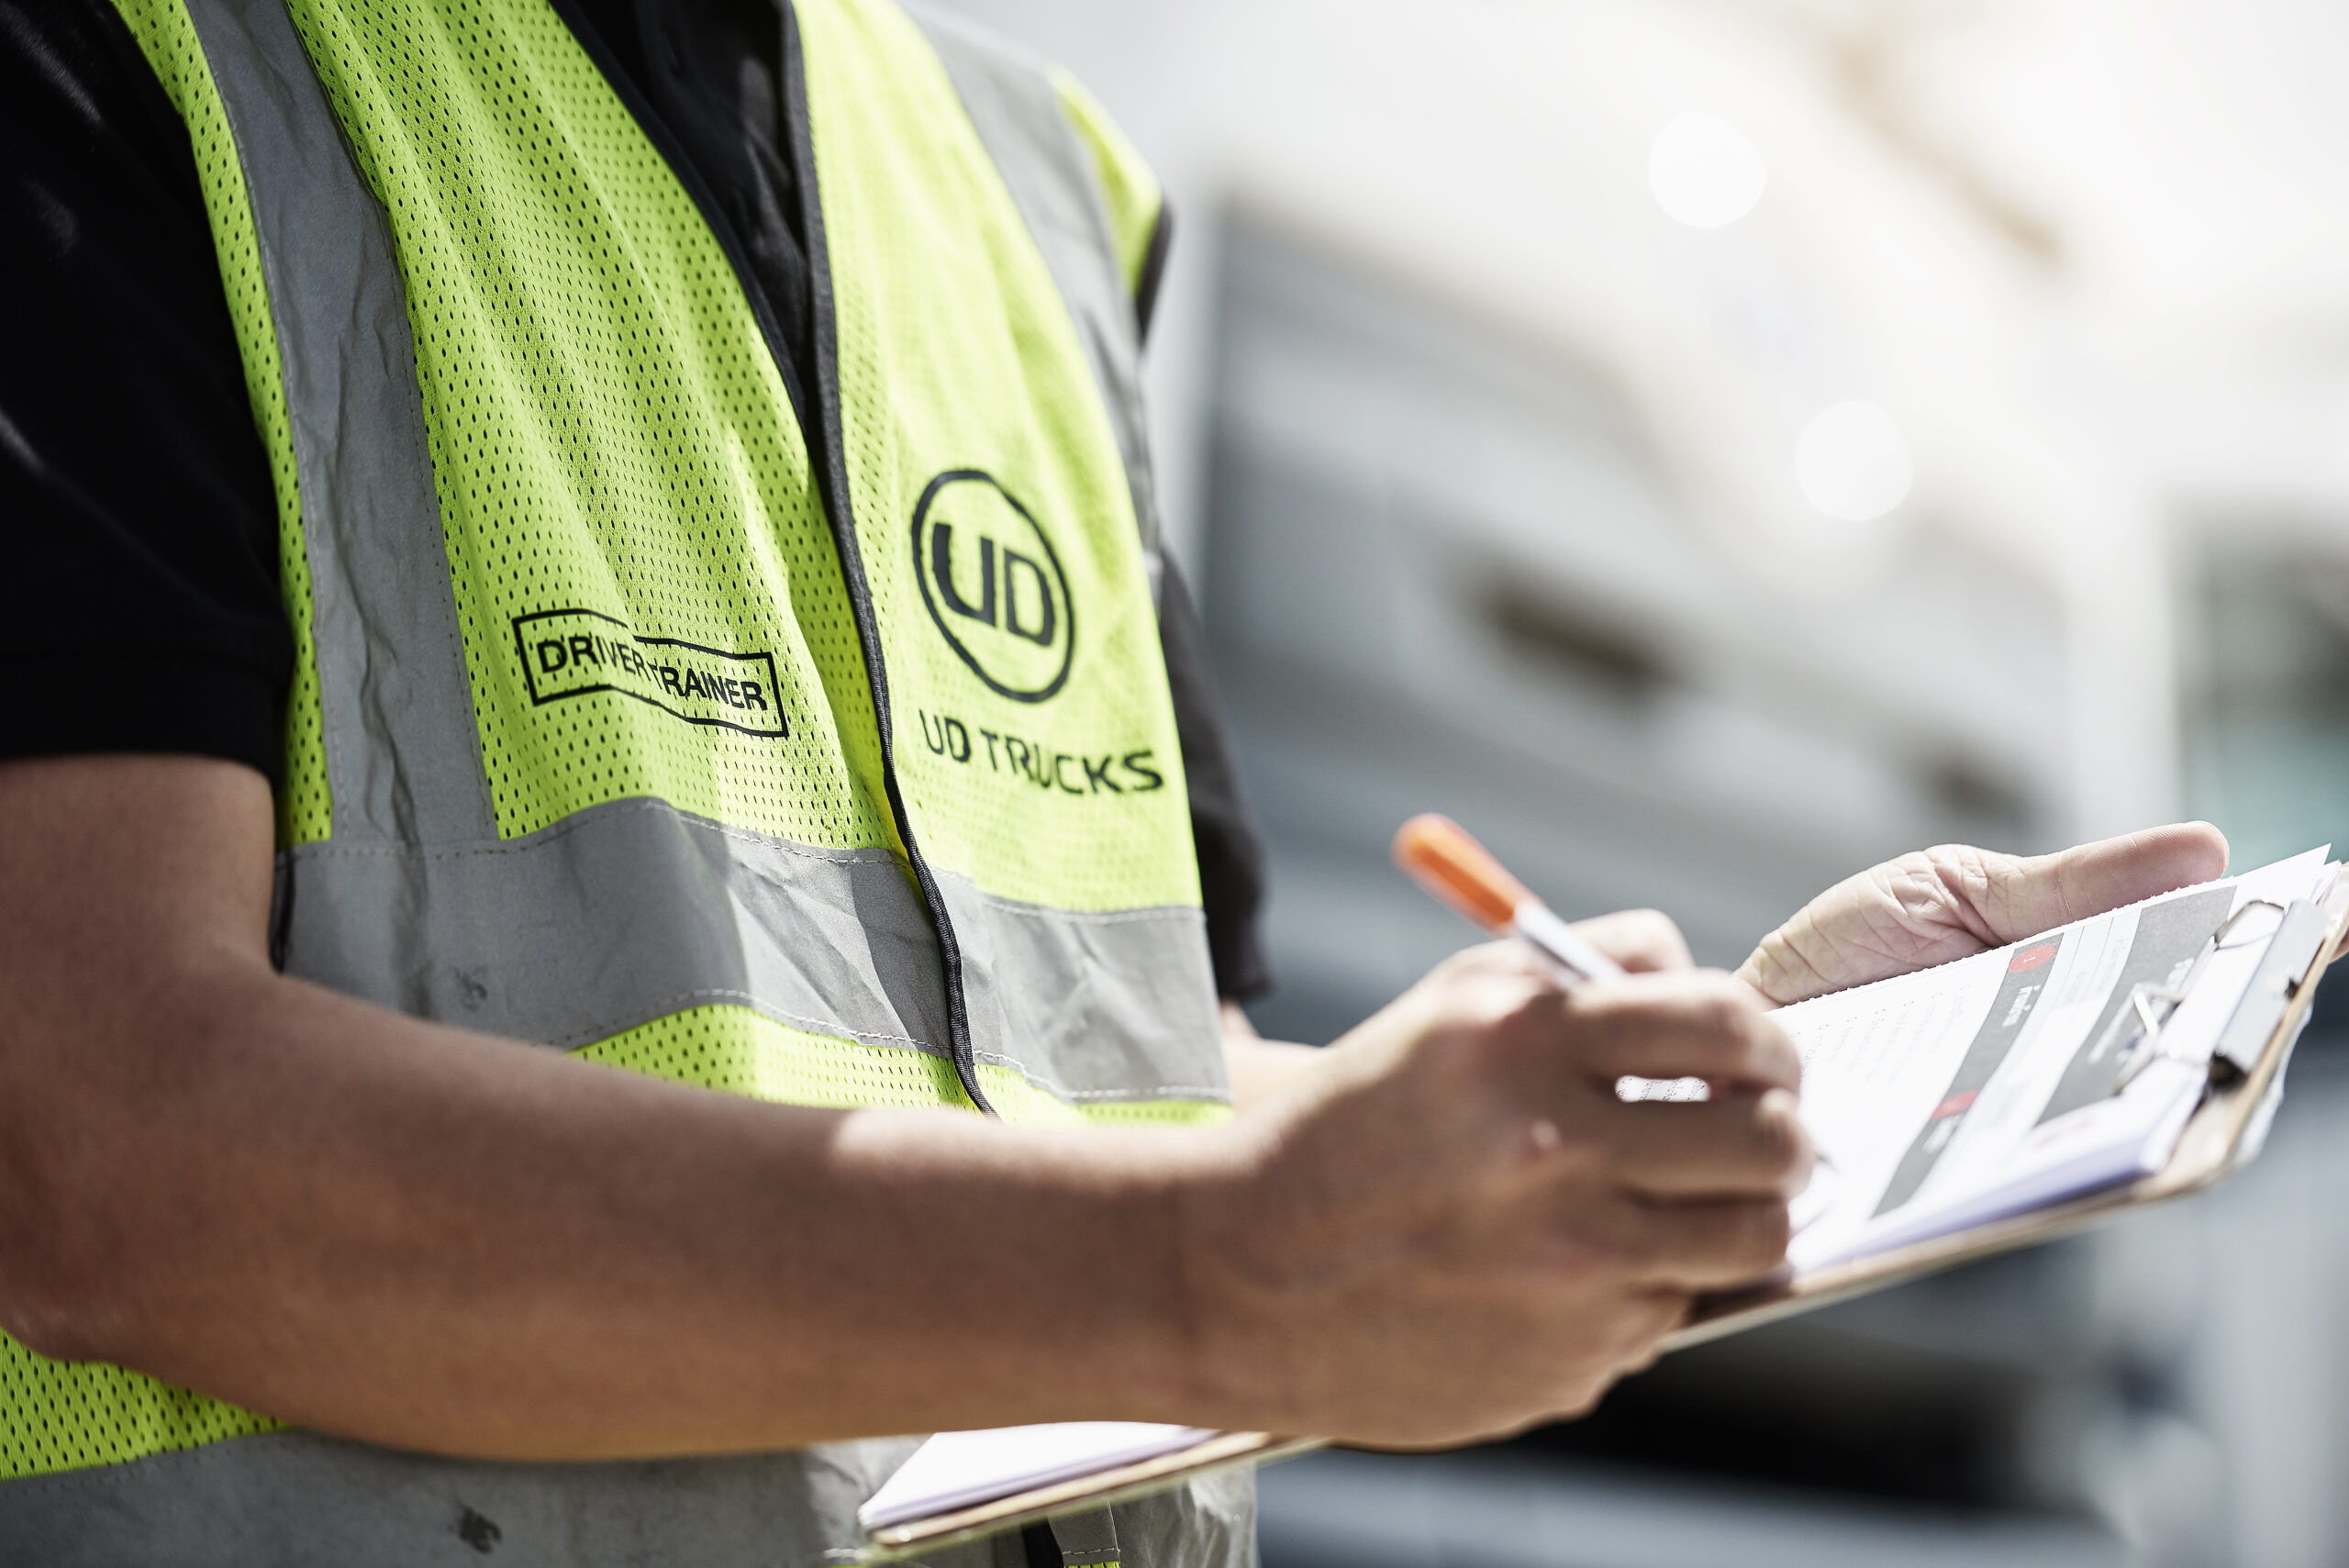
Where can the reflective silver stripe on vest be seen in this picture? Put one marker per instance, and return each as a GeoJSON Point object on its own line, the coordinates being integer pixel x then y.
{"type": "Point", "coordinates": [617, 916]}
{"type": "Point", "coordinates": [296, 1500]}
{"type": "Point", "coordinates": [1090, 1005]}
{"type": "Point", "coordinates": [1017, 111]}
{"type": "Point", "coordinates": [403, 757]}
{"type": "Point", "coordinates": [1086, 1541]}
{"type": "Point", "coordinates": [630, 911]}
{"type": "Point", "coordinates": [291, 1498]}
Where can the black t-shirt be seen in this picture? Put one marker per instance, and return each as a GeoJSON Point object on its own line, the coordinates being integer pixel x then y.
{"type": "Point", "coordinates": [140, 609]}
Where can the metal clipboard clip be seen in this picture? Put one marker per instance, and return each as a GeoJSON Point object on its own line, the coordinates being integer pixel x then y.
{"type": "Point", "coordinates": [2136, 1032]}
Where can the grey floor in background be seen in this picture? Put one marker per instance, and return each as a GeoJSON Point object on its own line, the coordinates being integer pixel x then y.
{"type": "Point", "coordinates": [1508, 1510]}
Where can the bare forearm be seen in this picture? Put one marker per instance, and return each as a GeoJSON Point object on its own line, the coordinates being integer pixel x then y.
{"type": "Point", "coordinates": [384, 1228]}
{"type": "Point", "coordinates": [403, 1233]}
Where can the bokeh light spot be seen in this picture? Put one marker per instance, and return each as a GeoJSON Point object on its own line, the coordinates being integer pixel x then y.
{"type": "Point", "coordinates": [1704, 174]}
{"type": "Point", "coordinates": [1853, 463]}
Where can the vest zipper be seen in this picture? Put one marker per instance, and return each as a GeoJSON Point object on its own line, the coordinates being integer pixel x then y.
{"type": "Point", "coordinates": [832, 479]}
{"type": "Point", "coordinates": [818, 410]}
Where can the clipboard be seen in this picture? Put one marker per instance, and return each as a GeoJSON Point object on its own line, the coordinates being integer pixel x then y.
{"type": "Point", "coordinates": [2224, 1134]}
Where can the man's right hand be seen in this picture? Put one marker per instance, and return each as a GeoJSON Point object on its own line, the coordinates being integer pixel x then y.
{"type": "Point", "coordinates": [1455, 1228]}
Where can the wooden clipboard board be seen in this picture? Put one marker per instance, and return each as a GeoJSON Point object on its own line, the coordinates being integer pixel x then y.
{"type": "Point", "coordinates": [2212, 1146]}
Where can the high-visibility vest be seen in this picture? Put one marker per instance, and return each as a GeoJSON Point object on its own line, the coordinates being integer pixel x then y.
{"type": "Point", "coordinates": [819, 751]}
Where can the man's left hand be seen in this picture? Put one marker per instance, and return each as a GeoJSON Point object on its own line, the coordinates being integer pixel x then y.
{"type": "Point", "coordinates": [1942, 903]}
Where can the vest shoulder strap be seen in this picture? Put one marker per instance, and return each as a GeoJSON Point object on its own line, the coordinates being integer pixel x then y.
{"type": "Point", "coordinates": [1138, 220]}
{"type": "Point", "coordinates": [1015, 102]}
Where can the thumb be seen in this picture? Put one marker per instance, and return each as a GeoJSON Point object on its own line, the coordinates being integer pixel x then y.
{"type": "Point", "coordinates": [2021, 896]}
{"type": "Point", "coordinates": [1942, 903]}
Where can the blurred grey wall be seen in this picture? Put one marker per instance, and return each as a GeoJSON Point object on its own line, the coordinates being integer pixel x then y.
{"type": "Point", "coordinates": [1447, 569]}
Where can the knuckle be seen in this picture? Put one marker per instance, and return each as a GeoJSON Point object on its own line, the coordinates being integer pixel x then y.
{"type": "Point", "coordinates": [1768, 1230]}
{"type": "Point", "coordinates": [1774, 1050]}
{"type": "Point", "coordinates": [1612, 1250]}
{"type": "Point", "coordinates": [1780, 1140]}
{"type": "Point", "coordinates": [1456, 969]}
{"type": "Point", "coordinates": [1509, 1008]}
{"type": "Point", "coordinates": [1576, 1160]}
{"type": "Point", "coordinates": [1487, 988]}
{"type": "Point", "coordinates": [1611, 1256]}
{"type": "Point", "coordinates": [1649, 934]}
{"type": "Point", "coordinates": [1923, 886]}
{"type": "Point", "coordinates": [1510, 959]}
{"type": "Point", "coordinates": [1725, 1011]}
{"type": "Point", "coordinates": [1958, 860]}
{"type": "Point", "coordinates": [1962, 869]}
{"type": "Point", "coordinates": [1656, 923]}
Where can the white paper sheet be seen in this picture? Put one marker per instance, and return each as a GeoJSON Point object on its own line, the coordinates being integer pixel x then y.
{"type": "Point", "coordinates": [1985, 1087]}
{"type": "Point", "coordinates": [957, 1470]}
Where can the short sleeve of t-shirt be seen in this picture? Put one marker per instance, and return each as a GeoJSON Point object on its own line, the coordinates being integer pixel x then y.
{"type": "Point", "coordinates": [139, 606]}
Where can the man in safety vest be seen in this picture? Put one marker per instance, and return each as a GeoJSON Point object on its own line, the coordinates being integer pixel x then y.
{"type": "Point", "coordinates": [588, 673]}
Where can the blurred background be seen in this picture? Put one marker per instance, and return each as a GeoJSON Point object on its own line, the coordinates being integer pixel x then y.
{"type": "Point", "coordinates": [1707, 446]}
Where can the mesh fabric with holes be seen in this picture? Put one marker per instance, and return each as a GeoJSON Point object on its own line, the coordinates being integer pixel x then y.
{"type": "Point", "coordinates": [978, 365]}
{"type": "Point", "coordinates": [608, 430]}
{"type": "Point", "coordinates": [744, 1052]}
{"type": "Point", "coordinates": [73, 1415]}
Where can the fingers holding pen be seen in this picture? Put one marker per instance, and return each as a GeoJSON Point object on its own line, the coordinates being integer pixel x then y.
{"type": "Point", "coordinates": [1642, 941]}
{"type": "Point", "coordinates": [1647, 1244]}
{"type": "Point", "coordinates": [1700, 1188]}
{"type": "Point", "coordinates": [1742, 1143]}
{"type": "Point", "coordinates": [1682, 1024]}
{"type": "Point", "coordinates": [1746, 1139]}
{"type": "Point", "coordinates": [1714, 1245]}
{"type": "Point", "coordinates": [1467, 1177]}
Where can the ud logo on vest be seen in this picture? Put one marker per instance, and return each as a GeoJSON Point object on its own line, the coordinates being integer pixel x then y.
{"type": "Point", "coordinates": [994, 585]}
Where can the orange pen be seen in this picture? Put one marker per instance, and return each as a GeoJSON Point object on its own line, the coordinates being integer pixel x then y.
{"type": "Point", "coordinates": [1442, 856]}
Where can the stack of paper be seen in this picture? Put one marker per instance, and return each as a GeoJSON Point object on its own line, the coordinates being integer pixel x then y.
{"type": "Point", "coordinates": [2015, 1079]}
{"type": "Point", "coordinates": [954, 1469]}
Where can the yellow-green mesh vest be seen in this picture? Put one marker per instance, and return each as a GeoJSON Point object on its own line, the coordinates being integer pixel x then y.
{"type": "Point", "coordinates": [828, 759]}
